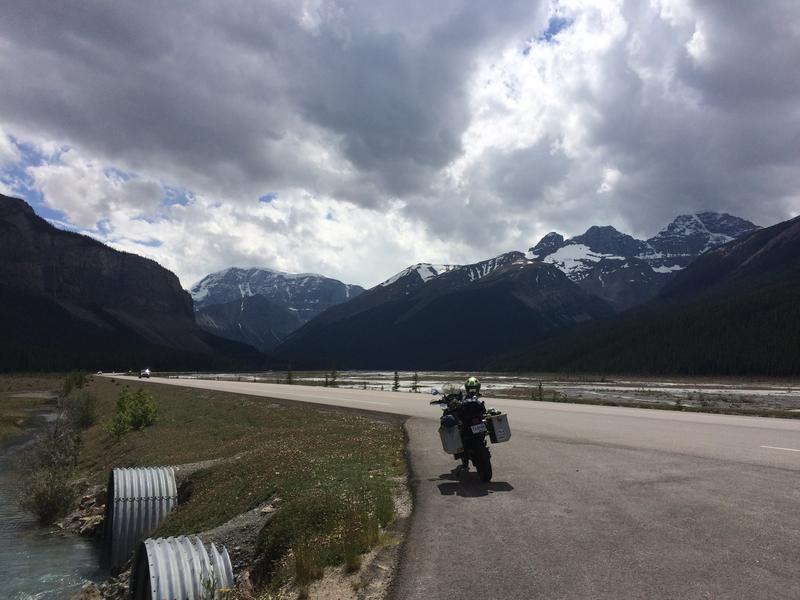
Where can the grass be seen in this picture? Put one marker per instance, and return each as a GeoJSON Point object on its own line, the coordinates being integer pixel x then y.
{"type": "Point", "coordinates": [14, 410]}
{"type": "Point", "coordinates": [334, 472]}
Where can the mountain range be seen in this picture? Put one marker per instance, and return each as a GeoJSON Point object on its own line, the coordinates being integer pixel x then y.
{"type": "Point", "coordinates": [626, 271]}
{"type": "Point", "coordinates": [709, 294]}
{"type": "Point", "coordinates": [617, 268]}
{"type": "Point", "coordinates": [735, 310]}
{"type": "Point", "coordinates": [455, 316]}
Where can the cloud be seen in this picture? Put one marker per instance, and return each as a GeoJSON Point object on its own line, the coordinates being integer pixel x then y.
{"type": "Point", "coordinates": [390, 133]}
{"type": "Point", "coordinates": [9, 154]}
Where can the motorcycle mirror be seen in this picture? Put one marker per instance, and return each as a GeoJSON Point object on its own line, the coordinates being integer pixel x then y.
{"type": "Point", "coordinates": [434, 392]}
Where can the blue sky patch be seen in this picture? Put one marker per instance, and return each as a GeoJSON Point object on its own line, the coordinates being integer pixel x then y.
{"type": "Point", "coordinates": [554, 26]}
{"type": "Point", "coordinates": [151, 243]}
{"type": "Point", "coordinates": [267, 198]}
{"type": "Point", "coordinates": [177, 195]}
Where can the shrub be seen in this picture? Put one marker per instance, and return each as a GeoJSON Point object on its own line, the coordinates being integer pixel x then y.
{"type": "Point", "coordinates": [46, 488]}
{"type": "Point", "coordinates": [135, 411]}
{"type": "Point", "coordinates": [48, 493]}
{"type": "Point", "coordinates": [74, 380]}
{"type": "Point", "coordinates": [80, 408]}
{"type": "Point", "coordinates": [57, 447]}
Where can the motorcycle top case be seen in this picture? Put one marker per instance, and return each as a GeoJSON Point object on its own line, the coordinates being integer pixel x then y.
{"type": "Point", "coordinates": [451, 440]}
{"type": "Point", "coordinates": [499, 430]}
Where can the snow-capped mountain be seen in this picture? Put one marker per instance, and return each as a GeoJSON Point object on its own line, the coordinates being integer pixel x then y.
{"type": "Point", "coordinates": [439, 315]}
{"type": "Point", "coordinates": [261, 306]}
{"type": "Point", "coordinates": [459, 316]}
{"type": "Point", "coordinates": [688, 236]}
{"type": "Point", "coordinates": [626, 271]}
{"type": "Point", "coordinates": [732, 311]}
{"type": "Point", "coordinates": [414, 276]}
{"type": "Point", "coordinates": [307, 294]}
{"type": "Point", "coordinates": [424, 271]}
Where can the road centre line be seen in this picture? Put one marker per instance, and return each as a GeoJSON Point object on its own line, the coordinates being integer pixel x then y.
{"type": "Point", "coordinates": [777, 448]}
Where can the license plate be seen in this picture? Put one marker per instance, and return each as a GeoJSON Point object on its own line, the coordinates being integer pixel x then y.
{"type": "Point", "coordinates": [479, 428]}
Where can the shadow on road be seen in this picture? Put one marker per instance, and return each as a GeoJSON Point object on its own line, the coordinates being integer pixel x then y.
{"type": "Point", "coordinates": [468, 485]}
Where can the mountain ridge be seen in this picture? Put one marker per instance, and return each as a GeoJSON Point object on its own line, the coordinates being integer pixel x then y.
{"type": "Point", "coordinates": [66, 296]}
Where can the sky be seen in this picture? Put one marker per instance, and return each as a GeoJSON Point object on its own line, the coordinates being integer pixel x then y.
{"type": "Point", "coordinates": [354, 138]}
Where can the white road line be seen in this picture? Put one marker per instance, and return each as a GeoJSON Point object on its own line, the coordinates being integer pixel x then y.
{"type": "Point", "coordinates": [777, 448]}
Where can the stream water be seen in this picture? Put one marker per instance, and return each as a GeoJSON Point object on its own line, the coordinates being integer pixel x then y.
{"type": "Point", "coordinates": [34, 563]}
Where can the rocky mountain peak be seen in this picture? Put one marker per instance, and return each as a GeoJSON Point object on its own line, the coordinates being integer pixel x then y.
{"type": "Point", "coordinates": [419, 273]}
{"type": "Point", "coordinates": [691, 235]}
{"type": "Point", "coordinates": [9, 205]}
{"type": "Point", "coordinates": [607, 240]}
{"type": "Point", "coordinates": [548, 244]}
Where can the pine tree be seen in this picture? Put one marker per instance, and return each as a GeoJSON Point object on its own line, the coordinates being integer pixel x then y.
{"type": "Point", "coordinates": [396, 384]}
{"type": "Point", "coordinates": [415, 383]}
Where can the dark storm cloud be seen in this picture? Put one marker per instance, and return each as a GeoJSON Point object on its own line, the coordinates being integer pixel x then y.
{"type": "Point", "coordinates": [226, 92]}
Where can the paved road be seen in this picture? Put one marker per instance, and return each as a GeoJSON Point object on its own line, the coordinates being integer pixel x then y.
{"type": "Point", "coordinates": [594, 502]}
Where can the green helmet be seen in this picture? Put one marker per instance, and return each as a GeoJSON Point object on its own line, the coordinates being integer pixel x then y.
{"type": "Point", "coordinates": [472, 385]}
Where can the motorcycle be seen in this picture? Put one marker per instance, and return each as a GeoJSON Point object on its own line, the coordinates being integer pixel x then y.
{"type": "Point", "coordinates": [464, 426]}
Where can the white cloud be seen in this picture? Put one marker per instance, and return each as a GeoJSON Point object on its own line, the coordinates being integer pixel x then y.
{"type": "Point", "coordinates": [89, 193]}
{"type": "Point", "coordinates": [9, 155]}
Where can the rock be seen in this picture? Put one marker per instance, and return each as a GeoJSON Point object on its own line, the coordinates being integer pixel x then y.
{"type": "Point", "coordinates": [91, 526]}
{"type": "Point", "coordinates": [89, 591]}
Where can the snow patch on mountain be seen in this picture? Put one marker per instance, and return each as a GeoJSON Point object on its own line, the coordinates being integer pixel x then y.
{"type": "Point", "coordinates": [576, 259]}
{"type": "Point", "coordinates": [426, 272]}
{"type": "Point", "coordinates": [667, 269]}
{"type": "Point", "coordinates": [484, 268]}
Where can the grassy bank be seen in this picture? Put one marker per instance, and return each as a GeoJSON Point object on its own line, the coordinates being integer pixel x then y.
{"type": "Point", "coordinates": [20, 396]}
{"type": "Point", "coordinates": [333, 473]}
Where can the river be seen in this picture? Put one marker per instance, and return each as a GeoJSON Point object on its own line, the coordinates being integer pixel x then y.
{"type": "Point", "coordinates": [34, 563]}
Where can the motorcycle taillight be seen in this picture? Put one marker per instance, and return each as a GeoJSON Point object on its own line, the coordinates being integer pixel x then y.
{"type": "Point", "coordinates": [476, 420]}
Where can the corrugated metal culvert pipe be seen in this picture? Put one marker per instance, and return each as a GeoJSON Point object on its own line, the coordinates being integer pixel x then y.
{"type": "Point", "coordinates": [180, 569]}
{"type": "Point", "coordinates": [137, 501]}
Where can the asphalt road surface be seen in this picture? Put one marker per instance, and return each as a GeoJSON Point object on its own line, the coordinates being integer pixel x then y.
{"type": "Point", "coordinates": [593, 502]}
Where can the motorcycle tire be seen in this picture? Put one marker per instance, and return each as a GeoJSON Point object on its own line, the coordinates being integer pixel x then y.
{"type": "Point", "coordinates": [483, 463]}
